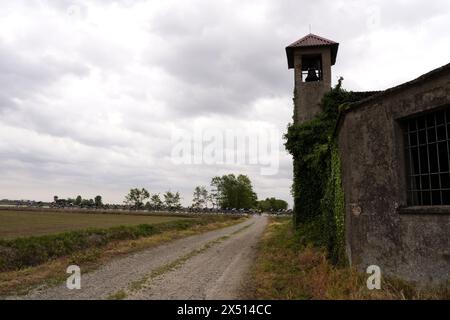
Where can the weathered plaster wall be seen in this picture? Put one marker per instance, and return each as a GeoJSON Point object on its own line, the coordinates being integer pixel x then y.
{"type": "Point", "coordinates": [413, 246]}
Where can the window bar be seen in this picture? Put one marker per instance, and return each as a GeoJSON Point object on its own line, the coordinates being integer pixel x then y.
{"type": "Point", "coordinates": [427, 143]}
{"type": "Point", "coordinates": [448, 139]}
{"type": "Point", "coordinates": [411, 166]}
{"type": "Point", "coordinates": [438, 160]}
{"type": "Point", "coordinates": [420, 168]}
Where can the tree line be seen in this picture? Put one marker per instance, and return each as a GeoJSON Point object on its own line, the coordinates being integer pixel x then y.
{"type": "Point", "coordinates": [79, 201]}
{"type": "Point", "coordinates": [136, 200]}
{"type": "Point", "coordinates": [226, 192]}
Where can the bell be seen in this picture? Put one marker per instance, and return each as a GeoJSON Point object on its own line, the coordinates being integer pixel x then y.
{"type": "Point", "coordinates": [312, 76]}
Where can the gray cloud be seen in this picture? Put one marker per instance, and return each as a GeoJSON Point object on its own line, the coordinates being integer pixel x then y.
{"type": "Point", "coordinates": [23, 77]}
{"type": "Point", "coordinates": [92, 91]}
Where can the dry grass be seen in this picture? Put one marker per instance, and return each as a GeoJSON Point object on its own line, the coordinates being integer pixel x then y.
{"type": "Point", "coordinates": [286, 270]}
{"type": "Point", "coordinates": [53, 272]}
{"type": "Point", "coordinates": [15, 224]}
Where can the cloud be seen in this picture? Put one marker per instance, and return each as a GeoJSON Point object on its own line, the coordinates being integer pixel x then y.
{"type": "Point", "coordinates": [93, 91]}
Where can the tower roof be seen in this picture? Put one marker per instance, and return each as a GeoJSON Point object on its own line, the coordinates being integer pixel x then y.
{"type": "Point", "coordinates": [311, 40]}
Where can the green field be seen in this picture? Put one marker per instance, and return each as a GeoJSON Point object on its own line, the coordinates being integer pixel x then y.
{"type": "Point", "coordinates": [14, 224]}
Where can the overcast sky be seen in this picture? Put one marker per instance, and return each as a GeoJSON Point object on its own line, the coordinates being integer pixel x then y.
{"type": "Point", "coordinates": [91, 92]}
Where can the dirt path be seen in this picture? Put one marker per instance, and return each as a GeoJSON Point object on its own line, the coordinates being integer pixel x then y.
{"type": "Point", "coordinates": [207, 266]}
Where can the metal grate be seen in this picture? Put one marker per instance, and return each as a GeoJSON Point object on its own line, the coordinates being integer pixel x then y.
{"type": "Point", "coordinates": [428, 154]}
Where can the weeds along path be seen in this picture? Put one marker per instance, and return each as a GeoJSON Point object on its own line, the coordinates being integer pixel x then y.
{"type": "Point", "coordinates": [212, 265]}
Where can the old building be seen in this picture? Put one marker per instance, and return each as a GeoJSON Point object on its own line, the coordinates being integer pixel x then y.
{"type": "Point", "coordinates": [395, 154]}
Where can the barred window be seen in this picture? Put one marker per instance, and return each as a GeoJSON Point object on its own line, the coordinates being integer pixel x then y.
{"type": "Point", "coordinates": [428, 158]}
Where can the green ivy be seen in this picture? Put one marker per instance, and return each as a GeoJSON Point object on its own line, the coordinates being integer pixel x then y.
{"type": "Point", "coordinates": [317, 187]}
{"type": "Point", "coordinates": [333, 210]}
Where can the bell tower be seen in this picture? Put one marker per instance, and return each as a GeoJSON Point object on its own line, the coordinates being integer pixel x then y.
{"type": "Point", "coordinates": [311, 57]}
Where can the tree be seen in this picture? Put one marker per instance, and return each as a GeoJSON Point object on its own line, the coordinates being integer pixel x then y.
{"type": "Point", "coordinates": [135, 198]}
{"type": "Point", "coordinates": [78, 200]}
{"type": "Point", "coordinates": [200, 198]}
{"type": "Point", "coordinates": [55, 199]}
{"type": "Point", "coordinates": [172, 200]}
{"type": "Point", "coordinates": [212, 199]}
{"type": "Point", "coordinates": [177, 201]}
{"type": "Point", "coordinates": [234, 192]}
{"type": "Point", "coordinates": [272, 204]}
{"type": "Point", "coordinates": [156, 202]}
{"type": "Point", "coordinates": [98, 201]}
{"type": "Point", "coordinates": [214, 196]}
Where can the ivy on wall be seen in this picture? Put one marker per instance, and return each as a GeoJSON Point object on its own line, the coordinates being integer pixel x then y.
{"type": "Point", "coordinates": [333, 210]}
{"type": "Point", "coordinates": [317, 187]}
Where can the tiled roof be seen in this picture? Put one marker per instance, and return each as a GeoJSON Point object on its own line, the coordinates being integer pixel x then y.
{"type": "Point", "coordinates": [311, 40]}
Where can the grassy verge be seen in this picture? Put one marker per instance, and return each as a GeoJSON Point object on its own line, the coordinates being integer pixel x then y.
{"type": "Point", "coordinates": [53, 271]}
{"type": "Point", "coordinates": [286, 269]}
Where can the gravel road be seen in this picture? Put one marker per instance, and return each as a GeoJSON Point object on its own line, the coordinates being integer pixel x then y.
{"type": "Point", "coordinates": [212, 265]}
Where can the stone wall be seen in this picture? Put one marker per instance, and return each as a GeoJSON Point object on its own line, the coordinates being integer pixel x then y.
{"type": "Point", "coordinates": [411, 243]}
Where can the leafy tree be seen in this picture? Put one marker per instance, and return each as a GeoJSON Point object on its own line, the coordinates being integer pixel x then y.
{"type": "Point", "coordinates": [177, 201]}
{"type": "Point", "coordinates": [212, 200]}
{"type": "Point", "coordinates": [78, 200]}
{"type": "Point", "coordinates": [234, 192]}
{"type": "Point", "coordinates": [272, 204]}
{"type": "Point", "coordinates": [214, 195]}
{"type": "Point", "coordinates": [136, 197]}
{"type": "Point", "coordinates": [156, 202]}
{"type": "Point", "coordinates": [172, 200]}
{"type": "Point", "coordinates": [200, 199]}
{"type": "Point", "coordinates": [98, 201]}
{"type": "Point", "coordinates": [55, 199]}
